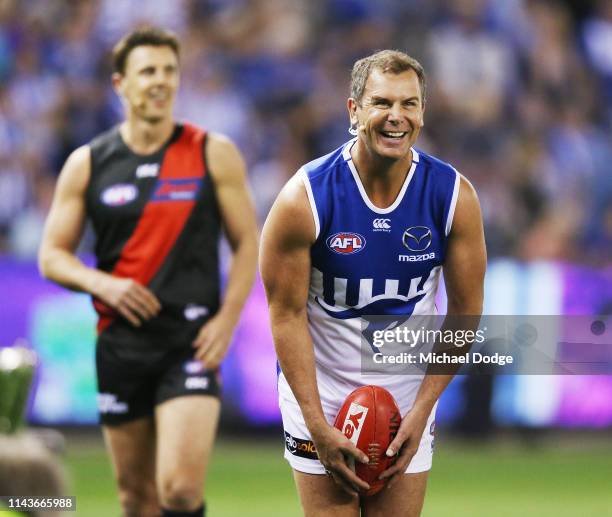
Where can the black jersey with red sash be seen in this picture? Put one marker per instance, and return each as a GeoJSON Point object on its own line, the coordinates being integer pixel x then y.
{"type": "Point", "coordinates": [157, 221]}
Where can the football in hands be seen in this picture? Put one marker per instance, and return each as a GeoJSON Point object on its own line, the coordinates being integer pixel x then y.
{"type": "Point", "coordinates": [370, 418]}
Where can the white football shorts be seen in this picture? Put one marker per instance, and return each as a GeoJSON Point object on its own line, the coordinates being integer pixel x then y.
{"type": "Point", "coordinates": [301, 453]}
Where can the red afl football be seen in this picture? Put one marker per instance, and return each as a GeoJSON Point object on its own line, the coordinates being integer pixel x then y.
{"type": "Point", "coordinates": [370, 418]}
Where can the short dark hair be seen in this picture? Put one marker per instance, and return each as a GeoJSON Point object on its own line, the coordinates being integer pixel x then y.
{"type": "Point", "coordinates": [144, 36]}
{"type": "Point", "coordinates": [393, 61]}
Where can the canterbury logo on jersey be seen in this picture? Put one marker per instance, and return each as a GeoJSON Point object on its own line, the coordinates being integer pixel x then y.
{"type": "Point", "coordinates": [381, 225]}
{"type": "Point", "coordinates": [391, 301]}
{"type": "Point", "coordinates": [177, 189]}
{"type": "Point", "coordinates": [147, 170]}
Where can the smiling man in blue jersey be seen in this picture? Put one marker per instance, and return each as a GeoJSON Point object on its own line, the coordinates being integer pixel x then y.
{"type": "Point", "coordinates": [366, 230]}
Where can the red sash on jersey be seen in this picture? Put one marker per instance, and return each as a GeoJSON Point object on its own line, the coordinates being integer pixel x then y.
{"type": "Point", "coordinates": [159, 225]}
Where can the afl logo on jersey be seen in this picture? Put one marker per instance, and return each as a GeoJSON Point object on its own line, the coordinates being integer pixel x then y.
{"type": "Point", "coordinates": [346, 243]}
{"type": "Point", "coordinates": [118, 195]}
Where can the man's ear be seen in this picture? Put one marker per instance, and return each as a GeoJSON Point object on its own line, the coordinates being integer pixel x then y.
{"type": "Point", "coordinates": [117, 81]}
{"type": "Point", "coordinates": [351, 105]}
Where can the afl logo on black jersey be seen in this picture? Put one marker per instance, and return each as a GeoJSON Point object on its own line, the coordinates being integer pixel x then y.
{"type": "Point", "coordinates": [120, 194]}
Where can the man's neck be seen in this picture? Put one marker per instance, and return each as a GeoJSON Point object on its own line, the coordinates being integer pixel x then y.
{"type": "Point", "coordinates": [144, 137]}
{"type": "Point", "coordinates": [382, 178]}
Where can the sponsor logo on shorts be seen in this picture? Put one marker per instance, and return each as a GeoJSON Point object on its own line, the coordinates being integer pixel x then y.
{"type": "Point", "coordinates": [353, 423]}
{"type": "Point", "coordinates": [299, 447]}
{"type": "Point", "coordinates": [147, 170]}
{"type": "Point", "coordinates": [432, 428]}
{"type": "Point", "coordinates": [346, 243]}
{"type": "Point", "coordinates": [108, 403]}
{"type": "Point", "coordinates": [193, 367]}
{"type": "Point", "coordinates": [119, 195]}
{"type": "Point", "coordinates": [197, 383]}
{"type": "Point", "coordinates": [193, 311]}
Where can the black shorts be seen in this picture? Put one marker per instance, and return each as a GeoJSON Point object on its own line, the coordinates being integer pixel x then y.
{"type": "Point", "coordinates": [130, 389]}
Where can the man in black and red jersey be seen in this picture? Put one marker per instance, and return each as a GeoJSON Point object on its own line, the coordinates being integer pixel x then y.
{"type": "Point", "coordinates": [157, 193]}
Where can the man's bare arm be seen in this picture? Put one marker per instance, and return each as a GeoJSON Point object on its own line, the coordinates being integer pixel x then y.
{"type": "Point", "coordinates": [464, 270]}
{"type": "Point", "coordinates": [64, 227]}
{"type": "Point", "coordinates": [285, 268]}
{"type": "Point", "coordinates": [239, 220]}
{"type": "Point", "coordinates": [63, 230]}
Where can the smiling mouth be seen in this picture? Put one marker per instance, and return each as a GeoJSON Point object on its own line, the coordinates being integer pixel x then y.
{"type": "Point", "coordinates": [394, 134]}
{"type": "Point", "coordinates": [159, 95]}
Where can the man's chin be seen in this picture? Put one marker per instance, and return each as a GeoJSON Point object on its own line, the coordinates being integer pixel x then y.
{"type": "Point", "coordinates": [393, 153]}
{"type": "Point", "coordinates": [154, 119]}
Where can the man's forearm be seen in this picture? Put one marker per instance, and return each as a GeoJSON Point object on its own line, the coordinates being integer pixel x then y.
{"type": "Point", "coordinates": [241, 277]}
{"type": "Point", "coordinates": [67, 270]}
{"type": "Point", "coordinates": [430, 391]}
{"type": "Point", "coordinates": [296, 358]}
{"type": "Point", "coordinates": [438, 377]}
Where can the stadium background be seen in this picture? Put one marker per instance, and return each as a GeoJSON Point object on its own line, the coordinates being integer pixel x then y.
{"type": "Point", "coordinates": [519, 100]}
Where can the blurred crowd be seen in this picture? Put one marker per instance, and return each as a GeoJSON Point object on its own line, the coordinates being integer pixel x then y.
{"type": "Point", "coordinates": [519, 99]}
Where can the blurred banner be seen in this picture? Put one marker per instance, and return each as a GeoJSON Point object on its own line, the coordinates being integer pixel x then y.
{"type": "Point", "coordinates": [60, 327]}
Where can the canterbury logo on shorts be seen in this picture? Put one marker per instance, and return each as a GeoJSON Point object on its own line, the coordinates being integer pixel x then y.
{"type": "Point", "coordinates": [302, 448]}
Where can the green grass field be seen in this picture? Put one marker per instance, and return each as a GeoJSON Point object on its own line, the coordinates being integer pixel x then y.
{"type": "Point", "coordinates": [568, 478]}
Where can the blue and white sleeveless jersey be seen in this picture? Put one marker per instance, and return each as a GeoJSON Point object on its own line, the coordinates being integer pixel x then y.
{"type": "Point", "coordinates": [371, 261]}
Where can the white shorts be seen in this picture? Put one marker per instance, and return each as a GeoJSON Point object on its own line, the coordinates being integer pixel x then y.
{"type": "Point", "coordinates": [300, 451]}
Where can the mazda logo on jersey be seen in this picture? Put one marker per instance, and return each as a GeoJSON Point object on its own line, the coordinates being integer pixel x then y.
{"type": "Point", "coordinates": [346, 243]}
{"type": "Point", "coordinates": [417, 238]}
